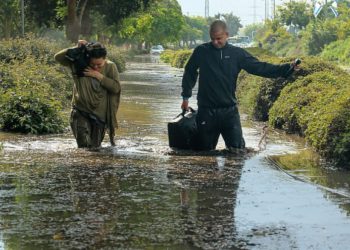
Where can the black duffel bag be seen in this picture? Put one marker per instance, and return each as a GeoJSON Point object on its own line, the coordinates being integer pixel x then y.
{"type": "Point", "coordinates": [182, 130]}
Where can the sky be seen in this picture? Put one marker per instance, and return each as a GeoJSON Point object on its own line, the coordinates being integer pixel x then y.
{"type": "Point", "coordinates": [241, 8]}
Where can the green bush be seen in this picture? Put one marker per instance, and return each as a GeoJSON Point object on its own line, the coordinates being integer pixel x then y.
{"type": "Point", "coordinates": [256, 95]}
{"type": "Point", "coordinates": [318, 107]}
{"type": "Point", "coordinates": [181, 58]}
{"type": "Point", "coordinates": [116, 55]}
{"type": "Point", "coordinates": [177, 59]}
{"type": "Point", "coordinates": [259, 52]}
{"type": "Point", "coordinates": [28, 113]}
{"type": "Point", "coordinates": [18, 49]}
{"type": "Point", "coordinates": [33, 97]}
{"type": "Point", "coordinates": [167, 56]}
{"type": "Point", "coordinates": [318, 34]}
{"type": "Point", "coordinates": [43, 50]}
{"type": "Point", "coordinates": [338, 51]}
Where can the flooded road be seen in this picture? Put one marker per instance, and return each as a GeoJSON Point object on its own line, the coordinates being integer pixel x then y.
{"type": "Point", "coordinates": [142, 195]}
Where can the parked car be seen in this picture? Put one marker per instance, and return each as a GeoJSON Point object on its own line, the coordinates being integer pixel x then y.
{"type": "Point", "coordinates": [240, 41]}
{"type": "Point", "coordinates": [156, 50]}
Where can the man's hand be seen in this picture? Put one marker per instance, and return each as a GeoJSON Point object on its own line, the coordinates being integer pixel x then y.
{"type": "Point", "coordinates": [82, 42]}
{"type": "Point", "coordinates": [93, 73]}
{"type": "Point", "coordinates": [296, 64]}
{"type": "Point", "coordinates": [184, 105]}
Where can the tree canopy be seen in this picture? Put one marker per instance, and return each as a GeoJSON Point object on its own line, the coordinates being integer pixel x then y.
{"type": "Point", "coordinates": [78, 15]}
{"type": "Point", "coordinates": [161, 23]}
{"type": "Point", "coordinates": [294, 13]}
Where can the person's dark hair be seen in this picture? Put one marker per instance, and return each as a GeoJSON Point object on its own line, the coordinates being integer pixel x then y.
{"type": "Point", "coordinates": [218, 25]}
{"type": "Point", "coordinates": [97, 50]}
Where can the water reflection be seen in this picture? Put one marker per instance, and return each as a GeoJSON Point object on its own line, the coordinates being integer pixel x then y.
{"type": "Point", "coordinates": [307, 166]}
{"type": "Point", "coordinates": [208, 197]}
{"type": "Point", "coordinates": [178, 202]}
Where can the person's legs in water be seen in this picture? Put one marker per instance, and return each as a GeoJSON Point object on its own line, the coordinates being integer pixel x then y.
{"type": "Point", "coordinates": [231, 128]}
{"type": "Point", "coordinates": [88, 132]}
{"type": "Point", "coordinates": [97, 134]}
{"type": "Point", "coordinates": [208, 130]}
{"type": "Point", "coordinates": [81, 128]}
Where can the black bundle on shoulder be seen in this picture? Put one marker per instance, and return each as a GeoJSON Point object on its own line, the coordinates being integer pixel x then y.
{"type": "Point", "coordinates": [80, 58]}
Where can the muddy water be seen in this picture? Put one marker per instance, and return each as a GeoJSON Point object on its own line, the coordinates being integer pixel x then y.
{"type": "Point", "coordinates": [142, 195]}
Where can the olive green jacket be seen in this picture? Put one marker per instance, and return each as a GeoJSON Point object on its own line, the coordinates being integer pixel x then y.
{"type": "Point", "coordinates": [100, 98]}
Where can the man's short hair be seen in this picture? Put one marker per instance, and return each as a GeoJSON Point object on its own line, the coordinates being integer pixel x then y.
{"type": "Point", "coordinates": [97, 50]}
{"type": "Point", "coordinates": [218, 25]}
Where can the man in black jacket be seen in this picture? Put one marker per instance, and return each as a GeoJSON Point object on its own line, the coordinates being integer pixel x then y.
{"type": "Point", "coordinates": [218, 64]}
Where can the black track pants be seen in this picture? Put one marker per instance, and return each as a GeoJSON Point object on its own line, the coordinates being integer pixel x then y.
{"type": "Point", "coordinates": [212, 122]}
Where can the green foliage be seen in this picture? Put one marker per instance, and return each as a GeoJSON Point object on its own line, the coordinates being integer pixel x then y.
{"type": "Point", "coordinates": [307, 35]}
{"type": "Point", "coordinates": [295, 13]}
{"type": "Point", "coordinates": [168, 22]}
{"type": "Point", "coordinates": [78, 18]}
{"type": "Point", "coordinates": [116, 56]}
{"type": "Point", "coordinates": [33, 96]}
{"type": "Point", "coordinates": [160, 24]}
{"type": "Point", "coordinates": [9, 19]}
{"type": "Point", "coordinates": [29, 114]}
{"type": "Point", "coordinates": [260, 52]}
{"type": "Point", "coordinates": [177, 59]}
{"type": "Point", "coordinates": [338, 51]}
{"type": "Point", "coordinates": [318, 34]}
{"type": "Point", "coordinates": [195, 28]}
{"type": "Point", "coordinates": [256, 95]}
{"type": "Point", "coordinates": [251, 30]}
{"type": "Point", "coordinates": [41, 49]}
{"type": "Point", "coordinates": [51, 17]}
{"type": "Point", "coordinates": [167, 56]}
{"type": "Point", "coordinates": [317, 106]}
{"type": "Point", "coordinates": [181, 58]}
{"type": "Point", "coordinates": [274, 37]}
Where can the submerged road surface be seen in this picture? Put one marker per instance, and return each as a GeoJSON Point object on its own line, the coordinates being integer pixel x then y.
{"type": "Point", "coordinates": [142, 195]}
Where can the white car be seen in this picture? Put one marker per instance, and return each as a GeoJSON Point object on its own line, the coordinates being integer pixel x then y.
{"type": "Point", "coordinates": [156, 50]}
{"type": "Point", "coordinates": [240, 41]}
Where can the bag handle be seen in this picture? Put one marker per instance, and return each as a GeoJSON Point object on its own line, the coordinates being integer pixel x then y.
{"type": "Point", "coordinates": [189, 109]}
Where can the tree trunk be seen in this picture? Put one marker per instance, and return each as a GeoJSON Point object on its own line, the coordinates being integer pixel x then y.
{"type": "Point", "coordinates": [86, 24]}
{"type": "Point", "coordinates": [73, 28]}
{"type": "Point", "coordinates": [6, 29]}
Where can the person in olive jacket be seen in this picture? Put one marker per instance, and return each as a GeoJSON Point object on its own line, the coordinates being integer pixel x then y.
{"type": "Point", "coordinates": [96, 96]}
{"type": "Point", "coordinates": [218, 63]}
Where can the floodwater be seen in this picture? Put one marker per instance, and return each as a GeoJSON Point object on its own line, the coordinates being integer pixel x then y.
{"type": "Point", "coordinates": [142, 195]}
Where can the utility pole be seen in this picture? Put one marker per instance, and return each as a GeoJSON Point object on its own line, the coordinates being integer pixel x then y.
{"type": "Point", "coordinates": [206, 9]}
{"type": "Point", "coordinates": [22, 15]}
{"type": "Point", "coordinates": [266, 10]}
{"type": "Point", "coordinates": [254, 11]}
{"type": "Point", "coordinates": [274, 8]}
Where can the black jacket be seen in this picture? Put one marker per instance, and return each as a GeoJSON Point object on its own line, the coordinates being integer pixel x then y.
{"type": "Point", "coordinates": [218, 72]}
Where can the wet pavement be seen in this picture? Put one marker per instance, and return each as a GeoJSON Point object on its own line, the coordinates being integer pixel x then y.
{"type": "Point", "coordinates": [143, 195]}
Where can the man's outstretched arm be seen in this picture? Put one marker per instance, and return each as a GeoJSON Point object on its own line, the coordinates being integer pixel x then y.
{"type": "Point", "coordinates": [253, 66]}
